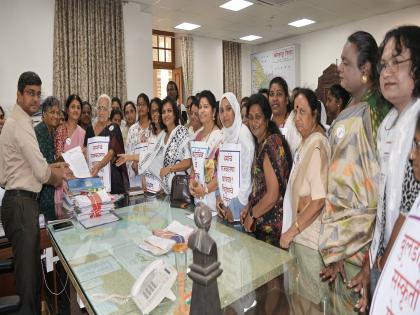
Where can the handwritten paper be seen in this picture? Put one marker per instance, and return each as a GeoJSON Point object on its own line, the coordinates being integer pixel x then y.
{"type": "Point", "coordinates": [97, 149]}
{"type": "Point", "coordinates": [77, 163]}
{"type": "Point", "coordinates": [229, 171]}
{"type": "Point", "coordinates": [399, 285]}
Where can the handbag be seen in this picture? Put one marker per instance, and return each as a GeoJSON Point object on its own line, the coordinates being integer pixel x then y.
{"type": "Point", "coordinates": [180, 191]}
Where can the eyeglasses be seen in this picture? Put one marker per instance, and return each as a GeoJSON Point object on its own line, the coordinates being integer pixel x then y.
{"type": "Point", "coordinates": [392, 65]}
{"type": "Point", "coordinates": [33, 93]}
{"type": "Point", "coordinates": [416, 145]}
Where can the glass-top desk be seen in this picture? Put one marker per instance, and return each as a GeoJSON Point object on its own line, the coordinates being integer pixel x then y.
{"type": "Point", "coordinates": [108, 260]}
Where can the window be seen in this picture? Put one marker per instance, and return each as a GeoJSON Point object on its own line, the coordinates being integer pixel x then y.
{"type": "Point", "coordinates": [161, 77]}
{"type": "Point", "coordinates": [163, 50]}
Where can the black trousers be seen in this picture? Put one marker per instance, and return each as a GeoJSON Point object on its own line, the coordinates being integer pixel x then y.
{"type": "Point", "coordinates": [21, 225]}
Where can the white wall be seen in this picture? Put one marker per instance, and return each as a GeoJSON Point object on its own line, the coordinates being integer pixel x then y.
{"type": "Point", "coordinates": [138, 50]}
{"type": "Point", "coordinates": [26, 34]}
{"type": "Point", "coordinates": [319, 49]}
{"type": "Point", "coordinates": [27, 41]}
{"type": "Point", "coordinates": [208, 65]}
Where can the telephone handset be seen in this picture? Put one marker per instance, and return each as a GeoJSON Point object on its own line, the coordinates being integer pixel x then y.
{"type": "Point", "coordinates": [153, 285]}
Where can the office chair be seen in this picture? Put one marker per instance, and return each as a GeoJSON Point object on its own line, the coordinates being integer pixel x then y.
{"type": "Point", "coordinates": [11, 303]}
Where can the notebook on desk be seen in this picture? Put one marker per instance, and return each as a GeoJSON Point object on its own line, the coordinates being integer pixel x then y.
{"type": "Point", "coordinates": [79, 185]}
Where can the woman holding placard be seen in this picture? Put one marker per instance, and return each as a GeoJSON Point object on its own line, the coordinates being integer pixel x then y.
{"type": "Point", "coordinates": [140, 137]}
{"type": "Point", "coordinates": [270, 173]}
{"type": "Point", "coordinates": [170, 153]}
{"type": "Point", "coordinates": [104, 141]}
{"type": "Point", "coordinates": [236, 153]}
{"type": "Point", "coordinates": [205, 151]}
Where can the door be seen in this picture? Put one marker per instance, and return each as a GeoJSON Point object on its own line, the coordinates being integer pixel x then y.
{"type": "Point", "coordinates": [177, 77]}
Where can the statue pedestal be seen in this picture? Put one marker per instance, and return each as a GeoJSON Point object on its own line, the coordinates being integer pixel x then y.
{"type": "Point", "coordinates": [205, 293]}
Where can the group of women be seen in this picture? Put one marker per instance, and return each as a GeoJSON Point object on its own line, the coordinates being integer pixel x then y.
{"type": "Point", "coordinates": [318, 182]}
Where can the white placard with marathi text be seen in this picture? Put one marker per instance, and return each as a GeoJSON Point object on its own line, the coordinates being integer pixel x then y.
{"type": "Point", "coordinates": [229, 171]}
{"type": "Point", "coordinates": [97, 149]}
{"type": "Point", "coordinates": [199, 151]}
{"type": "Point", "coordinates": [152, 183]}
{"type": "Point", "coordinates": [398, 287]}
{"type": "Point", "coordinates": [140, 149]}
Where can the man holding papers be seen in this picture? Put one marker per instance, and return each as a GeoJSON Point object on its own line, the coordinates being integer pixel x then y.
{"type": "Point", "coordinates": [23, 170]}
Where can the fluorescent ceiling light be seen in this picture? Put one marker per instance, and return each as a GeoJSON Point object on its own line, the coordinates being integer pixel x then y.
{"type": "Point", "coordinates": [301, 23]}
{"type": "Point", "coordinates": [187, 26]}
{"type": "Point", "coordinates": [250, 38]}
{"type": "Point", "coordinates": [236, 5]}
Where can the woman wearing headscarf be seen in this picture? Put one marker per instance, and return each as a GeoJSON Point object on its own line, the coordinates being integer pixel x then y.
{"type": "Point", "coordinates": [234, 132]}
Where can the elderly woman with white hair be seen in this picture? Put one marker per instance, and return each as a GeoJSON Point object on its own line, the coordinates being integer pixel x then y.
{"type": "Point", "coordinates": [104, 128]}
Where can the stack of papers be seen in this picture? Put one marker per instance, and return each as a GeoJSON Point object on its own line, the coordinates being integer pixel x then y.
{"type": "Point", "coordinates": [157, 245]}
{"type": "Point", "coordinates": [162, 241]}
{"type": "Point", "coordinates": [91, 209]}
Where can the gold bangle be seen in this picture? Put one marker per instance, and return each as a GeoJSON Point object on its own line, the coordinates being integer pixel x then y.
{"type": "Point", "coordinates": [297, 226]}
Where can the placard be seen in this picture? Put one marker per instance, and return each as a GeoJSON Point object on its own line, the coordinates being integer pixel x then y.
{"type": "Point", "coordinates": [229, 171]}
{"type": "Point", "coordinates": [152, 183]}
{"type": "Point", "coordinates": [199, 151]}
{"type": "Point", "coordinates": [97, 148]}
{"type": "Point", "coordinates": [398, 287]}
{"type": "Point", "coordinates": [140, 149]}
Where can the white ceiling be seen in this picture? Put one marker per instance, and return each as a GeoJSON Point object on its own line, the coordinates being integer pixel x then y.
{"type": "Point", "coordinates": [266, 18]}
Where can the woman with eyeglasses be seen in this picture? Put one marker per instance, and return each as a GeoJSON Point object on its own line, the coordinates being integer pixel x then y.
{"type": "Point", "coordinates": [156, 109]}
{"type": "Point", "coordinates": [104, 128]}
{"type": "Point", "coordinates": [45, 132]}
{"type": "Point", "coordinates": [399, 77]}
{"type": "Point", "coordinates": [352, 191]}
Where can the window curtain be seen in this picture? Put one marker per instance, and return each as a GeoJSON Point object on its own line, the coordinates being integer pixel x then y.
{"type": "Point", "coordinates": [232, 81]}
{"type": "Point", "coordinates": [187, 64]}
{"type": "Point", "coordinates": [89, 57]}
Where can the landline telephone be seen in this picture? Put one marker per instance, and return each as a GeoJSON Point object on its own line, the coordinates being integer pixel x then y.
{"type": "Point", "coordinates": [153, 285]}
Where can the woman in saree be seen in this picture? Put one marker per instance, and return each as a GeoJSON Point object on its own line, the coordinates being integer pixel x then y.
{"type": "Point", "coordinates": [104, 128]}
{"type": "Point", "coordinates": [305, 200]}
{"type": "Point", "coordinates": [235, 132]}
{"type": "Point", "coordinates": [44, 132]}
{"type": "Point", "coordinates": [400, 85]}
{"type": "Point", "coordinates": [271, 166]}
{"type": "Point", "coordinates": [170, 153]}
{"type": "Point", "coordinates": [210, 136]}
{"type": "Point", "coordinates": [69, 135]}
{"type": "Point", "coordinates": [352, 193]}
